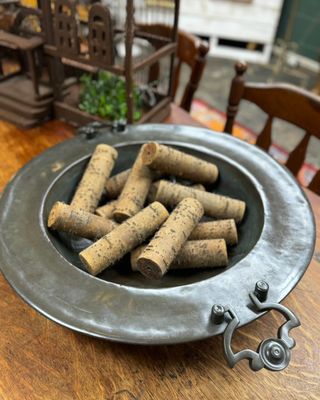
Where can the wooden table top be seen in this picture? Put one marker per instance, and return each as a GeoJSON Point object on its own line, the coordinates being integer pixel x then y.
{"type": "Point", "coordinates": [16, 42]}
{"type": "Point", "coordinates": [42, 360]}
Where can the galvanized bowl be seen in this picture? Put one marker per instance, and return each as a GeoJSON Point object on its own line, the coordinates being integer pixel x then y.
{"type": "Point", "coordinates": [276, 243]}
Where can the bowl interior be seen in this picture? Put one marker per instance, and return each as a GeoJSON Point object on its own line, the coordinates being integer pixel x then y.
{"type": "Point", "coordinates": [232, 182]}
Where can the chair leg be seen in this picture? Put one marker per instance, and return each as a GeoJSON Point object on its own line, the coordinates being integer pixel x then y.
{"type": "Point", "coordinates": [236, 92]}
{"type": "Point", "coordinates": [196, 76]}
{"type": "Point", "coordinates": [314, 185]}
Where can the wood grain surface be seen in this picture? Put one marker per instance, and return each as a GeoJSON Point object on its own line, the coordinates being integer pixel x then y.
{"type": "Point", "coordinates": [42, 360]}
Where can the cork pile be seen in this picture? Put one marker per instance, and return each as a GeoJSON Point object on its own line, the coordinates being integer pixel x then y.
{"type": "Point", "coordinates": [155, 220]}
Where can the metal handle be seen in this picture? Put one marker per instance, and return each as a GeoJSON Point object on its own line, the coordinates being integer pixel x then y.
{"type": "Point", "coordinates": [273, 354]}
{"type": "Point", "coordinates": [91, 130]}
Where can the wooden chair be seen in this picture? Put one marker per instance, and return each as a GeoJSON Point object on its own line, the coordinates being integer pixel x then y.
{"type": "Point", "coordinates": [191, 51]}
{"type": "Point", "coordinates": [283, 101]}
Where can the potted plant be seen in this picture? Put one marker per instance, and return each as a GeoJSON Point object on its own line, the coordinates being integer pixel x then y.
{"type": "Point", "coordinates": [104, 95]}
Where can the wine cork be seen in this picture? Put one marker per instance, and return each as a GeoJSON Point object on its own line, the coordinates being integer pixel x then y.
{"type": "Point", "coordinates": [198, 186]}
{"type": "Point", "coordinates": [223, 229]}
{"type": "Point", "coordinates": [153, 191]}
{"type": "Point", "coordinates": [91, 186]}
{"type": "Point", "coordinates": [216, 206]}
{"type": "Point", "coordinates": [65, 218]}
{"type": "Point", "coordinates": [163, 248]}
{"type": "Point", "coordinates": [107, 210]}
{"type": "Point", "coordinates": [193, 254]}
{"type": "Point", "coordinates": [115, 184]}
{"type": "Point", "coordinates": [135, 190]}
{"type": "Point", "coordinates": [125, 237]}
{"type": "Point", "coordinates": [175, 162]}
{"type": "Point", "coordinates": [154, 187]}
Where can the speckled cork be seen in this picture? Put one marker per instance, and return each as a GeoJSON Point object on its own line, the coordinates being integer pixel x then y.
{"type": "Point", "coordinates": [163, 248]}
{"type": "Point", "coordinates": [135, 190]}
{"type": "Point", "coordinates": [125, 237]}
{"type": "Point", "coordinates": [154, 187]}
{"type": "Point", "coordinates": [198, 186]}
{"type": "Point", "coordinates": [174, 162]}
{"type": "Point", "coordinates": [193, 254]}
{"type": "Point", "coordinates": [214, 205]}
{"type": "Point", "coordinates": [65, 218]}
{"type": "Point", "coordinates": [91, 186]}
{"type": "Point", "coordinates": [115, 184]}
{"type": "Point", "coordinates": [223, 229]}
{"type": "Point", "coordinates": [107, 210]}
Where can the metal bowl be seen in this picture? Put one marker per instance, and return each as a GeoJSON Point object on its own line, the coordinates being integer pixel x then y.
{"type": "Point", "coordinates": [276, 243]}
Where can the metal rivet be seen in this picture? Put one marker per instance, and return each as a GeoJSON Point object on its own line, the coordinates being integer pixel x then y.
{"type": "Point", "coordinates": [119, 125]}
{"type": "Point", "coordinates": [96, 125]}
{"type": "Point", "coordinates": [217, 314]}
{"type": "Point", "coordinates": [261, 290]}
{"type": "Point", "coordinates": [88, 131]}
{"type": "Point", "coordinates": [276, 352]}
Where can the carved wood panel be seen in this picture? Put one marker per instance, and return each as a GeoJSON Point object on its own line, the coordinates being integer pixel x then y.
{"type": "Point", "coordinates": [66, 32]}
{"type": "Point", "coordinates": [100, 35]}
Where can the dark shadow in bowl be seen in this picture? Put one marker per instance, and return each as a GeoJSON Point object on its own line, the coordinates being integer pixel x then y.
{"type": "Point", "coordinates": [232, 182]}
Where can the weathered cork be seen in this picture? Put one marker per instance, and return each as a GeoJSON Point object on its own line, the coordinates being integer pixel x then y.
{"type": "Point", "coordinates": [115, 184]}
{"type": "Point", "coordinates": [198, 186]}
{"type": "Point", "coordinates": [153, 191]}
{"type": "Point", "coordinates": [163, 248]}
{"type": "Point", "coordinates": [65, 218]}
{"type": "Point", "coordinates": [216, 206]}
{"type": "Point", "coordinates": [223, 229]}
{"type": "Point", "coordinates": [135, 190]}
{"type": "Point", "coordinates": [193, 254]}
{"type": "Point", "coordinates": [125, 237]}
{"type": "Point", "coordinates": [174, 162]}
{"type": "Point", "coordinates": [92, 183]}
{"type": "Point", "coordinates": [107, 210]}
{"type": "Point", "coordinates": [154, 187]}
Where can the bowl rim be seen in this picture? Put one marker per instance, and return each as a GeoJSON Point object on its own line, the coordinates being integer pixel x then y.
{"type": "Point", "coordinates": [154, 316]}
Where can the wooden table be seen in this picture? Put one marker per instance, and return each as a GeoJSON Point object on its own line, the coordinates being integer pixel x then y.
{"type": "Point", "coordinates": [42, 360]}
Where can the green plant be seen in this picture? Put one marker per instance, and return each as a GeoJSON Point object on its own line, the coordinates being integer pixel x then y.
{"type": "Point", "coordinates": [105, 96]}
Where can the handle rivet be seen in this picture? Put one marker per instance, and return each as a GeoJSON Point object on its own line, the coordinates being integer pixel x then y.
{"type": "Point", "coordinates": [217, 314]}
{"type": "Point", "coordinates": [261, 290]}
{"type": "Point", "coordinates": [276, 352]}
{"type": "Point", "coordinates": [119, 125]}
{"type": "Point", "coordinates": [88, 131]}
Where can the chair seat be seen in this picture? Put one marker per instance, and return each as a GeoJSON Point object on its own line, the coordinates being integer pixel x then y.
{"type": "Point", "coordinates": [15, 42]}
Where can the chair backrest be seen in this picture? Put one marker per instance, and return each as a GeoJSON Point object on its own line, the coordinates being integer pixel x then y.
{"type": "Point", "coordinates": [191, 51]}
{"type": "Point", "coordinates": [283, 101]}
{"type": "Point", "coordinates": [28, 22]}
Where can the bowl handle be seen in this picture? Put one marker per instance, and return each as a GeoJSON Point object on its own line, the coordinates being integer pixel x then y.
{"type": "Point", "coordinates": [92, 129]}
{"type": "Point", "coordinates": [273, 354]}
